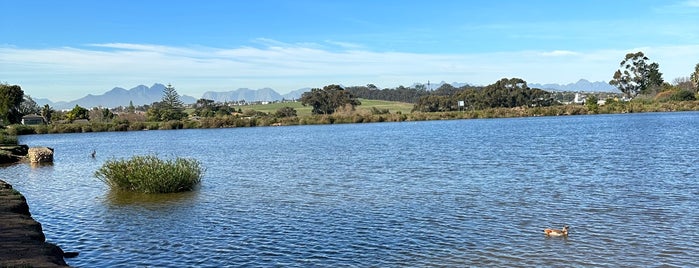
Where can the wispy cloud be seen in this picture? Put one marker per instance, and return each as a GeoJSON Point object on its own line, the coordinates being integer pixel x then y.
{"type": "Point", "coordinates": [69, 72]}
{"type": "Point", "coordinates": [559, 53]}
{"type": "Point", "coordinates": [680, 7]}
{"type": "Point", "coordinates": [691, 3]}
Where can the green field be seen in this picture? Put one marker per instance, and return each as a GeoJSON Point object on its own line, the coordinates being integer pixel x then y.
{"type": "Point", "coordinates": [301, 110]}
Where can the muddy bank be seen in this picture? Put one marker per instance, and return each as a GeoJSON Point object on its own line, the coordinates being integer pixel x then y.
{"type": "Point", "coordinates": [22, 241]}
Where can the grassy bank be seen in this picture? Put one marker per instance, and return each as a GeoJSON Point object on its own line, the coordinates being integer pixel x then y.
{"type": "Point", "coordinates": [367, 105]}
{"type": "Point", "coordinates": [370, 111]}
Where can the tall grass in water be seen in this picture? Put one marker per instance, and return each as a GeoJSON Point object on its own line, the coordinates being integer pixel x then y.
{"type": "Point", "coordinates": [149, 174]}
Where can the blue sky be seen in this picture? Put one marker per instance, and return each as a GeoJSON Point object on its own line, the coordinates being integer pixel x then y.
{"type": "Point", "coordinates": [63, 50]}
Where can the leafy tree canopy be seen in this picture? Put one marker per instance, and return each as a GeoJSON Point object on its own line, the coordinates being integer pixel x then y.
{"type": "Point", "coordinates": [695, 77]}
{"type": "Point", "coordinates": [77, 113]}
{"type": "Point", "coordinates": [11, 97]}
{"type": "Point", "coordinates": [512, 92]}
{"type": "Point", "coordinates": [47, 113]}
{"type": "Point", "coordinates": [29, 106]}
{"type": "Point", "coordinates": [285, 112]}
{"type": "Point", "coordinates": [328, 99]}
{"type": "Point", "coordinates": [636, 76]}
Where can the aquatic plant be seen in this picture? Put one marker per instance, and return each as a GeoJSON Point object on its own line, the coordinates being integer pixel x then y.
{"type": "Point", "coordinates": [149, 174]}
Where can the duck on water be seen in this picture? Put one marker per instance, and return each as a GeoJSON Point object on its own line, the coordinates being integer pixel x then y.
{"type": "Point", "coordinates": [557, 232]}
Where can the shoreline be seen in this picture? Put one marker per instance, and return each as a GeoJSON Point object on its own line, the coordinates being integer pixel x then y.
{"type": "Point", "coordinates": [23, 240]}
{"type": "Point", "coordinates": [355, 117]}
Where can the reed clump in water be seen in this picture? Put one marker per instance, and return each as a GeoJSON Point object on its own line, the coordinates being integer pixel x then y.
{"type": "Point", "coordinates": [150, 174]}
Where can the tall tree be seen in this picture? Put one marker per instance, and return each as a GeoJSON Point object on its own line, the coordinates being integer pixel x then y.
{"type": "Point", "coordinates": [328, 99]}
{"type": "Point", "coordinates": [635, 75]}
{"type": "Point", "coordinates": [47, 113]}
{"type": "Point", "coordinates": [29, 106]}
{"type": "Point", "coordinates": [695, 77]}
{"type": "Point", "coordinates": [11, 97]}
{"type": "Point", "coordinates": [171, 98]}
{"type": "Point", "coordinates": [131, 108]}
{"type": "Point", "coordinates": [169, 108]}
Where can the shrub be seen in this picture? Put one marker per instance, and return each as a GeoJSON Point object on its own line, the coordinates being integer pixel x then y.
{"type": "Point", "coordinates": [15, 130]}
{"type": "Point", "coordinates": [6, 139]}
{"type": "Point", "coordinates": [683, 95]}
{"type": "Point", "coordinates": [149, 174]}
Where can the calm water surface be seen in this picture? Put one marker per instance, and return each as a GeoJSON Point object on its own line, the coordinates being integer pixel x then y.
{"type": "Point", "coordinates": [439, 193]}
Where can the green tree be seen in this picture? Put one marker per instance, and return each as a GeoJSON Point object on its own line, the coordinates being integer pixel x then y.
{"type": "Point", "coordinates": [205, 108]}
{"type": "Point", "coordinates": [29, 106]}
{"type": "Point", "coordinates": [169, 108]}
{"type": "Point", "coordinates": [171, 98]}
{"type": "Point", "coordinates": [11, 97]}
{"type": "Point", "coordinates": [328, 99]}
{"type": "Point", "coordinates": [591, 103]}
{"type": "Point", "coordinates": [695, 77]}
{"type": "Point", "coordinates": [131, 108]}
{"type": "Point", "coordinates": [47, 113]}
{"type": "Point", "coordinates": [101, 115]}
{"type": "Point", "coordinates": [635, 75]}
{"type": "Point", "coordinates": [77, 113]}
{"type": "Point", "coordinates": [285, 112]}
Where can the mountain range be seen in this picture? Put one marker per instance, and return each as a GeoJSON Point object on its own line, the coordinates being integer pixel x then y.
{"type": "Point", "coordinates": [263, 94]}
{"type": "Point", "coordinates": [581, 85]}
{"type": "Point", "coordinates": [116, 97]}
{"type": "Point", "coordinates": [142, 95]}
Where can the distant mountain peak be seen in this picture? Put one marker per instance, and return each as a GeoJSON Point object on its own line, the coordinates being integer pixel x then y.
{"type": "Point", "coordinates": [117, 96]}
{"type": "Point", "coordinates": [580, 85]}
{"type": "Point", "coordinates": [252, 95]}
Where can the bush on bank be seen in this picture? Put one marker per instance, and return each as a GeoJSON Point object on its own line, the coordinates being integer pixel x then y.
{"type": "Point", "coordinates": [149, 174]}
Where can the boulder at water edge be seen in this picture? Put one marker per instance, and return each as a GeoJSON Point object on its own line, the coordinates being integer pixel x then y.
{"type": "Point", "coordinates": [40, 154]}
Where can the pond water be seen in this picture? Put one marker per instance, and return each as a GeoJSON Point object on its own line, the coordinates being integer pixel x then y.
{"type": "Point", "coordinates": [436, 193]}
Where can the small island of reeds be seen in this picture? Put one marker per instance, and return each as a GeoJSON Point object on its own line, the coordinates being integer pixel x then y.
{"type": "Point", "coordinates": [150, 174]}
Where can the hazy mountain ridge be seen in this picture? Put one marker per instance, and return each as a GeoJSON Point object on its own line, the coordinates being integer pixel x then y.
{"type": "Point", "coordinates": [581, 85]}
{"type": "Point", "coordinates": [264, 94]}
{"type": "Point", "coordinates": [142, 95]}
{"type": "Point", "coordinates": [139, 95]}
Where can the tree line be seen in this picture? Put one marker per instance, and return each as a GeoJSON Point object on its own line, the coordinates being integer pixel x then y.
{"type": "Point", "coordinates": [636, 76]}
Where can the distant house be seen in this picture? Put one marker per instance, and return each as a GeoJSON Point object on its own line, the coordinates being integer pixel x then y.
{"type": "Point", "coordinates": [32, 119]}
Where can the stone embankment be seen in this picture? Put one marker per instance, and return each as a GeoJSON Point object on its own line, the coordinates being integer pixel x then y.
{"type": "Point", "coordinates": [22, 241]}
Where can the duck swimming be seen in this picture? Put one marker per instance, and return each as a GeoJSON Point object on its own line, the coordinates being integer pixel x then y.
{"type": "Point", "coordinates": [556, 232]}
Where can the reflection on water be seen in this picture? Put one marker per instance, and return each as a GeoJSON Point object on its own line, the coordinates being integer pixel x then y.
{"type": "Point", "coordinates": [438, 194]}
{"type": "Point", "coordinates": [123, 198]}
{"type": "Point", "coordinates": [41, 165]}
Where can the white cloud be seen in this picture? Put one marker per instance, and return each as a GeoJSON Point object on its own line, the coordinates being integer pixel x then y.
{"type": "Point", "coordinates": [691, 3]}
{"type": "Point", "coordinates": [68, 73]}
{"type": "Point", "coordinates": [558, 53]}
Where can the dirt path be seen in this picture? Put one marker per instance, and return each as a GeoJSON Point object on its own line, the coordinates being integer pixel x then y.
{"type": "Point", "coordinates": [22, 241]}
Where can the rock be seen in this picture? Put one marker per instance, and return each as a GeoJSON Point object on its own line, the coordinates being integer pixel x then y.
{"type": "Point", "coordinates": [12, 153]}
{"type": "Point", "coordinates": [40, 154]}
{"type": "Point", "coordinates": [23, 243]}
{"type": "Point", "coordinates": [20, 150]}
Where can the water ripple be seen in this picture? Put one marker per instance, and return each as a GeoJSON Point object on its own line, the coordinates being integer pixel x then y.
{"type": "Point", "coordinates": [428, 194]}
